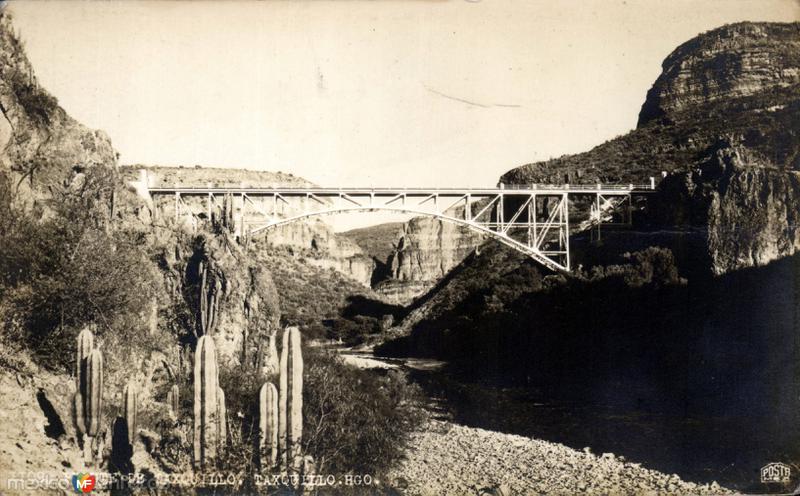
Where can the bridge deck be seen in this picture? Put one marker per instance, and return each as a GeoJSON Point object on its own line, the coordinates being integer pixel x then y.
{"type": "Point", "coordinates": [528, 189]}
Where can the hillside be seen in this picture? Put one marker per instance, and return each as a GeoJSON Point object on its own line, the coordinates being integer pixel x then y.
{"type": "Point", "coordinates": [41, 145]}
{"type": "Point", "coordinates": [377, 241]}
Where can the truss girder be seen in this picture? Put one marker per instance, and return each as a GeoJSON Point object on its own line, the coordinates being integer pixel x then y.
{"type": "Point", "coordinates": [541, 214]}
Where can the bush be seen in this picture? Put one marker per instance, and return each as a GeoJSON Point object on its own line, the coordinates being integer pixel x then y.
{"type": "Point", "coordinates": [356, 421]}
{"type": "Point", "coordinates": [71, 269]}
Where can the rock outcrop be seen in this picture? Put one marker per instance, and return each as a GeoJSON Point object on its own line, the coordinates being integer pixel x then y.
{"type": "Point", "coordinates": [733, 61]}
{"type": "Point", "coordinates": [741, 80]}
{"type": "Point", "coordinates": [426, 251]}
{"type": "Point", "coordinates": [737, 209]}
{"type": "Point", "coordinates": [41, 146]}
{"type": "Point", "coordinates": [720, 126]}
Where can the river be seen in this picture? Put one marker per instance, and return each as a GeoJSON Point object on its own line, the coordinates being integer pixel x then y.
{"type": "Point", "coordinates": [729, 450]}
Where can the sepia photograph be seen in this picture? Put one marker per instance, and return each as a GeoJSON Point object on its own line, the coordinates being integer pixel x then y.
{"type": "Point", "coordinates": [400, 247]}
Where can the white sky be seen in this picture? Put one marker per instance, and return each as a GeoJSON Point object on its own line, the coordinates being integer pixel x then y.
{"type": "Point", "coordinates": [363, 93]}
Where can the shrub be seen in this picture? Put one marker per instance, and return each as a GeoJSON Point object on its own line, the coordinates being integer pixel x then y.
{"type": "Point", "coordinates": [71, 269]}
{"type": "Point", "coordinates": [356, 421]}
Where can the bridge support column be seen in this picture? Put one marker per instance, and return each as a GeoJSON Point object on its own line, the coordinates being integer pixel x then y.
{"type": "Point", "coordinates": [565, 207]}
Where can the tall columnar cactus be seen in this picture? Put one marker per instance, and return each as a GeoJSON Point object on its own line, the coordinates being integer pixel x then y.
{"type": "Point", "coordinates": [90, 393]}
{"type": "Point", "coordinates": [130, 407]}
{"type": "Point", "coordinates": [206, 423]}
{"type": "Point", "coordinates": [88, 400]}
{"type": "Point", "coordinates": [268, 363]}
{"type": "Point", "coordinates": [290, 401]}
{"type": "Point", "coordinates": [208, 293]}
{"type": "Point", "coordinates": [85, 345]}
{"type": "Point", "coordinates": [173, 400]}
{"type": "Point", "coordinates": [268, 425]}
{"type": "Point", "coordinates": [222, 415]}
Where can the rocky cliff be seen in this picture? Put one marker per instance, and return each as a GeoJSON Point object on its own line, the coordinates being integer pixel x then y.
{"type": "Point", "coordinates": [41, 146]}
{"type": "Point", "coordinates": [738, 80]}
{"type": "Point", "coordinates": [720, 125]}
{"type": "Point", "coordinates": [728, 63]}
{"type": "Point", "coordinates": [736, 209]}
{"type": "Point", "coordinates": [426, 250]}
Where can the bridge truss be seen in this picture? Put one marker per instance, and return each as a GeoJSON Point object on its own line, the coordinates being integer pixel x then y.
{"type": "Point", "coordinates": [532, 219]}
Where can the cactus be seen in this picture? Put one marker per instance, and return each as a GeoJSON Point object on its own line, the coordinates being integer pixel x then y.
{"type": "Point", "coordinates": [205, 402]}
{"type": "Point", "coordinates": [208, 297]}
{"type": "Point", "coordinates": [173, 400]}
{"type": "Point", "coordinates": [268, 363]}
{"type": "Point", "coordinates": [268, 425]}
{"type": "Point", "coordinates": [222, 415]}
{"type": "Point", "coordinates": [88, 400]}
{"type": "Point", "coordinates": [85, 346]}
{"type": "Point", "coordinates": [130, 406]}
{"type": "Point", "coordinates": [91, 394]}
{"type": "Point", "coordinates": [290, 408]}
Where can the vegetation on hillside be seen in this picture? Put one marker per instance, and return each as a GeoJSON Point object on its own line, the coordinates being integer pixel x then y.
{"type": "Point", "coordinates": [763, 122]}
{"type": "Point", "coordinates": [325, 303]}
{"type": "Point", "coordinates": [377, 241]}
{"type": "Point", "coordinates": [69, 269]}
{"type": "Point", "coordinates": [71, 266]}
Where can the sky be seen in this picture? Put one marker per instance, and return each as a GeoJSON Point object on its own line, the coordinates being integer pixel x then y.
{"type": "Point", "coordinates": [356, 93]}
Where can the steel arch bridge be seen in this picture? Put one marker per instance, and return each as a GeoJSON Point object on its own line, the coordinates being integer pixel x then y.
{"type": "Point", "coordinates": [537, 214]}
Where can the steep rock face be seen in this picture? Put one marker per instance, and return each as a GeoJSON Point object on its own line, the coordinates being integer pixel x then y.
{"type": "Point", "coordinates": [426, 251]}
{"type": "Point", "coordinates": [730, 62]}
{"type": "Point", "coordinates": [41, 146]}
{"type": "Point", "coordinates": [744, 211]}
{"type": "Point", "coordinates": [328, 249]}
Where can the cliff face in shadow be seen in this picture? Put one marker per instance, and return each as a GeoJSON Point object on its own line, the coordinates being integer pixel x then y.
{"type": "Point", "coordinates": [743, 210]}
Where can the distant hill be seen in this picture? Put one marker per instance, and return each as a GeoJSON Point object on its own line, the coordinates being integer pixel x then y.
{"type": "Point", "coordinates": [377, 241]}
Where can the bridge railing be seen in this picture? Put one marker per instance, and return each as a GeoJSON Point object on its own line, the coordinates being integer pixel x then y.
{"type": "Point", "coordinates": [571, 186]}
{"type": "Point", "coordinates": [503, 187]}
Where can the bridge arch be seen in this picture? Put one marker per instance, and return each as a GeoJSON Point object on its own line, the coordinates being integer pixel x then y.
{"type": "Point", "coordinates": [502, 237]}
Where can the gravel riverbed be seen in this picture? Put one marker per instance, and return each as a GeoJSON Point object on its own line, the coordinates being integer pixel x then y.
{"type": "Point", "coordinates": [447, 458]}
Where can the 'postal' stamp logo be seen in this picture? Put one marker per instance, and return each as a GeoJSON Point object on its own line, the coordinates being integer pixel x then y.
{"type": "Point", "coordinates": [776, 472]}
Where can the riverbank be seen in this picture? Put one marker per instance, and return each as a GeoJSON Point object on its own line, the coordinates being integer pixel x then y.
{"type": "Point", "coordinates": [447, 458]}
